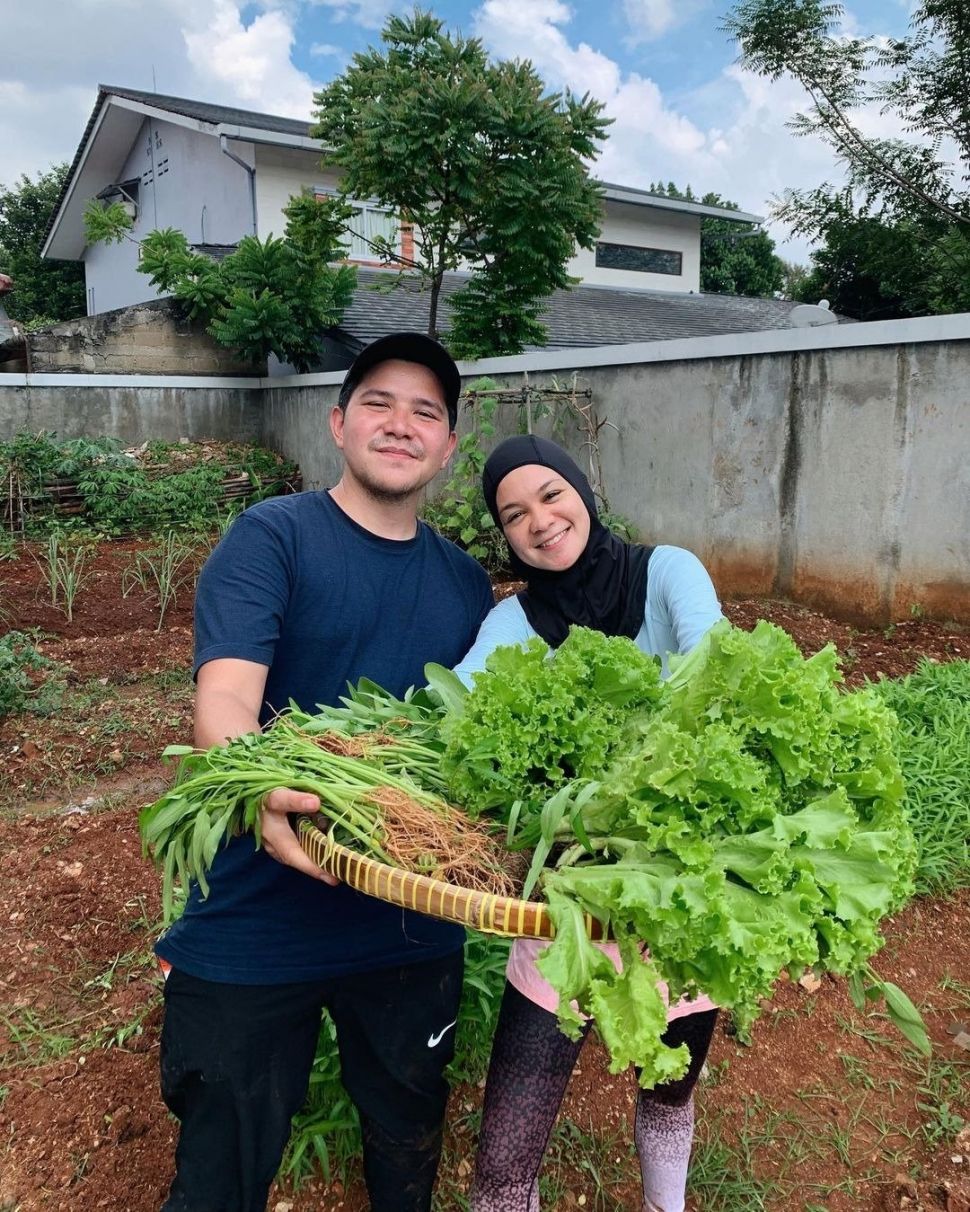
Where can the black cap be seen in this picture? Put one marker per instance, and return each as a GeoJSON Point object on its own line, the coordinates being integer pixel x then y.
{"type": "Point", "coordinates": [409, 347]}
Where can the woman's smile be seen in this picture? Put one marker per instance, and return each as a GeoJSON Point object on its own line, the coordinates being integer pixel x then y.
{"type": "Point", "coordinates": [543, 518]}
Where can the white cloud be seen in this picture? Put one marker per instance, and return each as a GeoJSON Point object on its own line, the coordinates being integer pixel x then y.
{"type": "Point", "coordinates": [190, 48]}
{"type": "Point", "coordinates": [321, 49]}
{"type": "Point", "coordinates": [512, 29]}
{"type": "Point", "coordinates": [651, 19]}
{"type": "Point", "coordinates": [729, 136]}
{"type": "Point", "coordinates": [253, 61]}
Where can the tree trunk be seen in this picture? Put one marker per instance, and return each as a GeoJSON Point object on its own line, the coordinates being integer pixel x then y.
{"type": "Point", "coordinates": [433, 312]}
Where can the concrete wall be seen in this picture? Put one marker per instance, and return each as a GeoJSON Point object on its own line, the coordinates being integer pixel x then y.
{"type": "Point", "coordinates": [830, 466]}
{"type": "Point", "coordinates": [148, 339]}
{"type": "Point", "coordinates": [74, 406]}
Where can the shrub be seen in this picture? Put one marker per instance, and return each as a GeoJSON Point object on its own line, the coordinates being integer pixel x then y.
{"type": "Point", "coordinates": [29, 681]}
{"type": "Point", "coordinates": [96, 483]}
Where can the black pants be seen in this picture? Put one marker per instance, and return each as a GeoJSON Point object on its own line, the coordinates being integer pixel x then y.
{"type": "Point", "coordinates": [235, 1068]}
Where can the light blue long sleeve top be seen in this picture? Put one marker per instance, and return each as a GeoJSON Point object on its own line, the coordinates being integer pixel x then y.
{"type": "Point", "coordinates": [681, 605]}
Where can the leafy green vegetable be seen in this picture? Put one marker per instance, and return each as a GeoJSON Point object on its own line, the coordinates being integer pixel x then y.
{"type": "Point", "coordinates": [219, 792]}
{"type": "Point", "coordinates": [536, 720]}
{"type": "Point", "coordinates": [743, 818]}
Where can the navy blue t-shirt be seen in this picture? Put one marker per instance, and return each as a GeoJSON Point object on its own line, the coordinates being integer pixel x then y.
{"type": "Point", "coordinates": [299, 586]}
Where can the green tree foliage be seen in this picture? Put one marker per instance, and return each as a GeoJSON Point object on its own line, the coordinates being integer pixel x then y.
{"type": "Point", "coordinates": [906, 199]}
{"type": "Point", "coordinates": [871, 269]}
{"type": "Point", "coordinates": [485, 165]}
{"type": "Point", "coordinates": [276, 295]}
{"type": "Point", "coordinates": [793, 279]}
{"type": "Point", "coordinates": [44, 290]}
{"type": "Point", "coordinates": [736, 258]}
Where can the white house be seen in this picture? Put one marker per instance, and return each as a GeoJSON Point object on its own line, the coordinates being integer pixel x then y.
{"type": "Point", "coordinates": [219, 173]}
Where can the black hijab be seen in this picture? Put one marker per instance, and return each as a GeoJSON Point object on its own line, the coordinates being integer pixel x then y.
{"type": "Point", "coordinates": [605, 589]}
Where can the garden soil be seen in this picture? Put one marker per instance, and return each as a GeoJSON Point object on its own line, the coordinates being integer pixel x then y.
{"type": "Point", "coordinates": [838, 1110]}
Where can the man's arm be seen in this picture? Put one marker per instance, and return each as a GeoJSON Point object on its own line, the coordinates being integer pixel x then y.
{"type": "Point", "coordinates": [229, 694]}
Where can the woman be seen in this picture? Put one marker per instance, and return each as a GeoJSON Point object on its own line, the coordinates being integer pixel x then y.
{"type": "Point", "coordinates": [576, 571]}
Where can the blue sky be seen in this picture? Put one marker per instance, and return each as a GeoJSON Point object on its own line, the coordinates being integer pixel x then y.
{"type": "Point", "coordinates": [665, 70]}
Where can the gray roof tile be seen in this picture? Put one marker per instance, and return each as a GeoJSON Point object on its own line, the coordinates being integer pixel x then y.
{"type": "Point", "coordinates": [585, 316]}
{"type": "Point", "coordinates": [203, 111]}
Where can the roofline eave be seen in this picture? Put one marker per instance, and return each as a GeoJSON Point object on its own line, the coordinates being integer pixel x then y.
{"type": "Point", "coordinates": [636, 197]}
{"type": "Point", "coordinates": [94, 125]}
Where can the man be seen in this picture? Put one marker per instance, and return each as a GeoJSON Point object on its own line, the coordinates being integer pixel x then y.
{"type": "Point", "coordinates": [304, 594]}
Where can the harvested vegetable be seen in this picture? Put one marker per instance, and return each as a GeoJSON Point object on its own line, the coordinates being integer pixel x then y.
{"type": "Point", "coordinates": [534, 723]}
{"type": "Point", "coordinates": [371, 805]}
{"type": "Point", "coordinates": [742, 819]}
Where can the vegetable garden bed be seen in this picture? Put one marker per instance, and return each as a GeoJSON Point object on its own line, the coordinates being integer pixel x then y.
{"type": "Point", "coordinates": [827, 1109]}
{"type": "Point", "coordinates": [47, 483]}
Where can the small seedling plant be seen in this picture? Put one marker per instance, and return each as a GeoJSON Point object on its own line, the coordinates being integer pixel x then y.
{"type": "Point", "coordinates": [162, 571]}
{"type": "Point", "coordinates": [65, 570]}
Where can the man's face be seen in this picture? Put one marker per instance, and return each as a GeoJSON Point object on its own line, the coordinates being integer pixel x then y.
{"type": "Point", "coordinates": [394, 433]}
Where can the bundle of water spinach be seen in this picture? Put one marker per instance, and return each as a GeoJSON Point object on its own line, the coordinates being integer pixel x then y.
{"type": "Point", "coordinates": [371, 753]}
{"type": "Point", "coordinates": [741, 819]}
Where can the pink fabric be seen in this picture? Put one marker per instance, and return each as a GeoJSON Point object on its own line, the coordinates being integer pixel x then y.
{"type": "Point", "coordinates": [523, 974]}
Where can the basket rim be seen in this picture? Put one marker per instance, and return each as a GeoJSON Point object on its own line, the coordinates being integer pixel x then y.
{"type": "Point", "coordinates": [487, 912]}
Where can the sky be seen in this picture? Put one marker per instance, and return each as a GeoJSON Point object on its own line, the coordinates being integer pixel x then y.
{"type": "Point", "coordinates": [683, 109]}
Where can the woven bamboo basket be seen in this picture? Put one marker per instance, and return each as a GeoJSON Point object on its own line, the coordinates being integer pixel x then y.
{"type": "Point", "coordinates": [483, 911]}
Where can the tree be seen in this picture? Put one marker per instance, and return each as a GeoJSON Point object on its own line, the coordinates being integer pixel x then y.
{"type": "Point", "coordinates": [277, 295]}
{"type": "Point", "coordinates": [486, 168]}
{"type": "Point", "coordinates": [917, 187]}
{"type": "Point", "coordinates": [736, 258]}
{"type": "Point", "coordinates": [43, 290]}
{"type": "Point", "coordinates": [793, 279]}
{"type": "Point", "coordinates": [868, 268]}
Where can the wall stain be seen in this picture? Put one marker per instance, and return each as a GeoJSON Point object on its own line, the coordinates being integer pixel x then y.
{"type": "Point", "coordinates": [788, 479]}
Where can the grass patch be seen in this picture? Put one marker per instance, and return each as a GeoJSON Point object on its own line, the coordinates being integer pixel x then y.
{"type": "Point", "coordinates": [34, 1041]}
{"type": "Point", "coordinates": [721, 1178]}
{"type": "Point", "coordinates": [933, 706]}
{"type": "Point", "coordinates": [597, 1162]}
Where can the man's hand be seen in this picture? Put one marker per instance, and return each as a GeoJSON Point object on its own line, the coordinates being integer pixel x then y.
{"type": "Point", "coordinates": [279, 840]}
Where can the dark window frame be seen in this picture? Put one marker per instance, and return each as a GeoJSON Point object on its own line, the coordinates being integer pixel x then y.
{"type": "Point", "coordinates": [653, 260]}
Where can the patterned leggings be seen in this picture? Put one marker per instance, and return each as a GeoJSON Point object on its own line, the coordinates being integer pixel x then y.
{"type": "Point", "coordinates": [530, 1067]}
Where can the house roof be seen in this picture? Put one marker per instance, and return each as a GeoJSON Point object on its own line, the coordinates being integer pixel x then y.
{"type": "Point", "coordinates": [214, 115]}
{"type": "Point", "coordinates": [117, 116]}
{"type": "Point", "coordinates": [112, 128]}
{"type": "Point", "coordinates": [643, 197]}
{"type": "Point", "coordinates": [585, 316]}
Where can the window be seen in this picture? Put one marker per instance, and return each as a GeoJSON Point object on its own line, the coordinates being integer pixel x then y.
{"type": "Point", "coordinates": [640, 260]}
{"type": "Point", "coordinates": [369, 223]}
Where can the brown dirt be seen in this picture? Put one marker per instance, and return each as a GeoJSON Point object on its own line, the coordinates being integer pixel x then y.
{"type": "Point", "coordinates": [831, 1110]}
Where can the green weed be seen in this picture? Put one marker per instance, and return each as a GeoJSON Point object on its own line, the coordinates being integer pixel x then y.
{"type": "Point", "coordinates": [601, 1161]}
{"type": "Point", "coordinates": [29, 681]}
{"type": "Point", "coordinates": [34, 1041]}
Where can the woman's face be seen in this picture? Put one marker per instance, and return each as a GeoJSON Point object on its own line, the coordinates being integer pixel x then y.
{"type": "Point", "coordinates": [543, 517]}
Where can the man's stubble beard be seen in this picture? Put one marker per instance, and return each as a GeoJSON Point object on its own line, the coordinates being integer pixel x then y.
{"type": "Point", "coordinates": [382, 495]}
